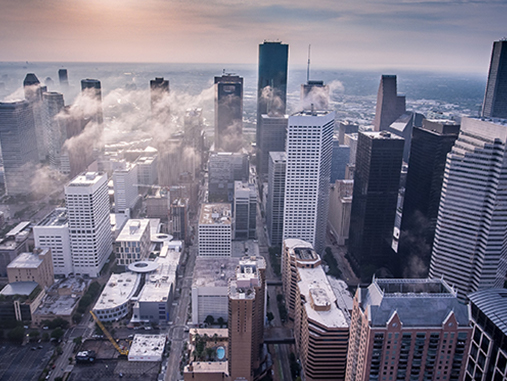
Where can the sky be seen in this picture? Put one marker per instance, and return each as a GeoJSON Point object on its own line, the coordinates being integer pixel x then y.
{"type": "Point", "coordinates": [443, 35]}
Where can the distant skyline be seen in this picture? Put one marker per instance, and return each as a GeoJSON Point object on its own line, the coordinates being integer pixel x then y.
{"type": "Point", "coordinates": [444, 35]}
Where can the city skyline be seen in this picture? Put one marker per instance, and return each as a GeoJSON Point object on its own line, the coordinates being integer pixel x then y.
{"type": "Point", "coordinates": [374, 34]}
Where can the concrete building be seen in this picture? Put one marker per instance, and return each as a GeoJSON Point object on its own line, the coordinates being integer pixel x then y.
{"type": "Point", "coordinates": [224, 168]}
{"type": "Point", "coordinates": [468, 249]}
{"type": "Point", "coordinates": [245, 211]}
{"type": "Point", "coordinates": [351, 141]}
{"type": "Point", "coordinates": [487, 357]}
{"type": "Point", "coordinates": [228, 113]}
{"type": "Point", "coordinates": [314, 94]}
{"type": "Point", "coordinates": [14, 243]}
{"type": "Point", "coordinates": [210, 288]}
{"type": "Point", "coordinates": [91, 89]}
{"type": "Point", "coordinates": [309, 153]}
{"type": "Point", "coordinates": [214, 232]}
{"type": "Point", "coordinates": [125, 187]}
{"type": "Point", "coordinates": [321, 327]}
{"type": "Point", "coordinates": [346, 127]}
{"type": "Point", "coordinates": [375, 195]}
{"type": "Point", "coordinates": [339, 161]}
{"type": "Point", "coordinates": [158, 205]}
{"type": "Point", "coordinates": [179, 226]}
{"type": "Point", "coordinates": [408, 329]}
{"type": "Point", "coordinates": [114, 302]}
{"type": "Point", "coordinates": [147, 348]}
{"type": "Point", "coordinates": [246, 317]}
{"type": "Point", "coordinates": [390, 105]}
{"type": "Point", "coordinates": [55, 127]}
{"type": "Point", "coordinates": [19, 300]}
{"type": "Point", "coordinates": [53, 233]}
{"type": "Point", "coordinates": [340, 206]}
{"type": "Point", "coordinates": [32, 267]}
{"type": "Point", "coordinates": [495, 98]}
{"type": "Point", "coordinates": [271, 136]}
{"type": "Point", "coordinates": [89, 223]}
{"type": "Point", "coordinates": [19, 146]}
{"type": "Point", "coordinates": [147, 172]}
{"type": "Point", "coordinates": [276, 197]}
{"type": "Point", "coordinates": [430, 145]}
{"type": "Point", "coordinates": [33, 94]}
{"type": "Point", "coordinates": [133, 243]}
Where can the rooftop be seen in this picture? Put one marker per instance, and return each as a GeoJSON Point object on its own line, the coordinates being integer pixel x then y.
{"type": "Point", "coordinates": [118, 290]}
{"type": "Point", "coordinates": [493, 303]}
{"type": "Point", "coordinates": [381, 135]}
{"type": "Point", "coordinates": [86, 179]}
{"type": "Point", "coordinates": [320, 299]}
{"type": "Point", "coordinates": [18, 228]}
{"type": "Point", "coordinates": [159, 283]}
{"type": "Point", "coordinates": [19, 288]}
{"type": "Point", "coordinates": [312, 113]}
{"type": "Point", "coordinates": [215, 214]}
{"type": "Point", "coordinates": [28, 260]}
{"type": "Point", "coordinates": [134, 230]}
{"type": "Point", "coordinates": [214, 272]}
{"type": "Point", "coordinates": [147, 346]}
{"type": "Point", "coordinates": [208, 367]}
{"type": "Point", "coordinates": [278, 156]}
{"type": "Point", "coordinates": [59, 305]}
{"type": "Point", "coordinates": [58, 217]}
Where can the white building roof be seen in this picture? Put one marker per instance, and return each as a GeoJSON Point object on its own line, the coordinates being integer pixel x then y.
{"type": "Point", "coordinates": [147, 348]}
{"type": "Point", "coordinates": [214, 272]}
{"type": "Point", "coordinates": [214, 214]}
{"type": "Point", "coordinates": [119, 289]}
{"type": "Point", "coordinates": [158, 284]}
{"type": "Point", "coordinates": [134, 230]}
{"type": "Point", "coordinates": [26, 261]}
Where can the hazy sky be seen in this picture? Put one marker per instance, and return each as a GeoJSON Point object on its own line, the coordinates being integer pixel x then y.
{"type": "Point", "coordinates": [410, 34]}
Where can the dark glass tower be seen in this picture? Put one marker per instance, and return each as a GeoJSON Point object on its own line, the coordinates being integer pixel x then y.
{"type": "Point", "coordinates": [272, 86]}
{"type": "Point", "coordinates": [430, 145]}
{"type": "Point", "coordinates": [495, 99]}
{"type": "Point", "coordinates": [91, 88]}
{"type": "Point", "coordinates": [228, 113]}
{"type": "Point", "coordinates": [390, 105]}
{"type": "Point", "coordinates": [376, 183]}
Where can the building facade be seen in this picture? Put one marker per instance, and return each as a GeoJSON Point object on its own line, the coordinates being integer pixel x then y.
{"type": "Point", "coordinates": [340, 206]}
{"type": "Point", "coordinates": [309, 153]}
{"type": "Point", "coordinates": [495, 98]}
{"type": "Point", "coordinates": [272, 133]}
{"type": "Point", "coordinates": [32, 267]}
{"type": "Point", "coordinates": [125, 182]}
{"type": "Point", "coordinates": [390, 105]}
{"type": "Point", "coordinates": [133, 243]}
{"type": "Point", "coordinates": [214, 232]}
{"type": "Point", "coordinates": [276, 197]}
{"type": "Point", "coordinates": [228, 113]}
{"type": "Point", "coordinates": [245, 211]}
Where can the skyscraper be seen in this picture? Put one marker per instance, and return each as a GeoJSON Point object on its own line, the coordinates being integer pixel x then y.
{"type": "Point", "coordinates": [469, 250]}
{"type": "Point", "coordinates": [272, 132]}
{"type": "Point", "coordinates": [276, 197]}
{"type": "Point", "coordinates": [55, 127]}
{"type": "Point", "coordinates": [159, 88]}
{"type": "Point", "coordinates": [390, 105]}
{"type": "Point", "coordinates": [376, 183]}
{"type": "Point", "coordinates": [228, 113]}
{"type": "Point", "coordinates": [245, 210]}
{"type": "Point", "coordinates": [19, 147]}
{"type": "Point", "coordinates": [63, 78]}
{"type": "Point", "coordinates": [309, 151]}
{"type": "Point", "coordinates": [88, 208]}
{"type": "Point", "coordinates": [91, 89]}
{"type": "Point", "coordinates": [430, 145]}
{"type": "Point", "coordinates": [272, 84]}
{"type": "Point", "coordinates": [315, 94]}
{"type": "Point", "coordinates": [495, 98]}
{"type": "Point", "coordinates": [33, 94]}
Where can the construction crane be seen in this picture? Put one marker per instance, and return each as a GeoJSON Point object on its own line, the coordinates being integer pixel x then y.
{"type": "Point", "coordinates": [123, 352]}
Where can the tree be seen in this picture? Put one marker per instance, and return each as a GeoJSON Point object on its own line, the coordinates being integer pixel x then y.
{"type": "Point", "coordinates": [220, 321]}
{"type": "Point", "coordinates": [209, 320]}
{"type": "Point", "coordinates": [210, 352]}
{"type": "Point", "coordinates": [34, 335]}
{"type": "Point", "coordinates": [57, 333]}
{"type": "Point", "coordinates": [16, 334]}
{"type": "Point", "coordinates": [45, 336]}
{"type": "Point", "coordinates": [78, 340]}
{"type": "Point", "coordinates": [270, 317]}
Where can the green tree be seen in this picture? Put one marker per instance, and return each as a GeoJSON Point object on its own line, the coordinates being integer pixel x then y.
{"type": "Point", "coordinates": [57, 333]}
{"type": "Point", "coordinates": [221, 321]}
{"type": "Point", "coordinates": [78, 340]}
{"type": "Point", "coordinates": [210, 353]}
{"type": "Point", "coordinates": [209, 320]}
{"type": "Point", "coordinates": [34, 335]}
{"type": "Point", "coordinates": [16, 334]}
{"type": "Point", "coordinates": [45, 336]}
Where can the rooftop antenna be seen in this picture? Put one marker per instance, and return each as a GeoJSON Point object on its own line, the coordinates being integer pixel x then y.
{"type": "Point", "coordinates": [308, 68]}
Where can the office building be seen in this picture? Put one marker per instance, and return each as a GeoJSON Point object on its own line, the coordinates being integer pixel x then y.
{"type": "Point", "coordinates": [53, 233]}
{"type": "Point", "coordinates": [55, 127]}
{"type": "Point", "coordinates": [495, 98]}
{"type": "Point", "coordinates": [468, 249]}
{"type": "Point", "coordinates": [404, 329]}
{"type": "Point", "coordinates": [246, 317]}
{"type": "Point", "coordinates": [346, 127]}
{"type": "Point", "coordinates": [87, 201]}
{"type": "Point", "coordinates": [125, 187]}
{"type": "Point", "coordinates": [228, 113]}
{"type": "Point", "coordinates": [115, 302]}
{"type": "Point", "coordinates": [159, 88]}
{"type": "Point", "coordinates": [403, 127]}
{"type": "Point", "coordinates": [12, 244]}
{"type": "Point", "coordinates": [19, 146]}
{"type": "Point", "coordinates": [339, 161]}
{"type": "Point", "coordinates": [321, 326]}
{"type": "Point", "coordinates": [91, 90]}
{"type": "Point", "coordinates": [487, 357]}
{"type": "Point", "coordinates": [245, 210]}
{"type": "Point", "coordinates": [178, 213]}
{"type": "Point", "coordinates": [351, 141]}
{"type": "Point", "coordinates": [430, 145]}
{"type": "Point", "coordinates": [375, 195]}
{"type": "Point", "coordinates": [147, 172]}
{"type": "Point", "coordinates": [210, 288]}
{"type": "Point", "coordinates": [63, 78]}
{"type": "Point", "coordinates": [214, 232]}
{"type": "Point", "coordinates": [33, 94]}
{"type": "Point", "coordinates": [309, 153]}
{"type": "Point", "coordinates": [276, 197]}
{"type": "Point", "coordinates": [224, 168]}
{"type": "Point", "coordinates": [390, 105]}
{"type": "Point", "coordinates": [315, 94]}
{"type": "Point", "coordinates": [271, 136]}
{"type": "Point", "coordinates": [340, 206]}
{"type": "Point", "coordinates": [133, 243]}
{"type": "Point", "coordinates": [272, 84]}
{"type": "Point", "coordinates": [32, 267]}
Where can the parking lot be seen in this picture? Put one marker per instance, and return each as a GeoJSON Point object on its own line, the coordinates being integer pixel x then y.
{"type": "Point", "coordinates": [23, 363]}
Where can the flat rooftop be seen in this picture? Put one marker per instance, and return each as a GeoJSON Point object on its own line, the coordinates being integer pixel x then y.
{"type": "Point", "coordinates": [57, 305]}
{"type": "Point", "coordinates": [19, 288]}
{"type": "Point", "coordinates": [134, 230]}
{"type": "Point", "coordinates": [312, 113]}
{"type": "Point", "coordinates": [147, 345]}
{"type": "Point", "coordinates": [86, 179]}
{"type": "Point", "coordinates": [18, 228]}
{"type": "Point", "coordinates": [209, 367]}
{"type": "Point", "coordinates": [278, 156]}
{"type": "Point", "coordinates": [305, 253]}
{"type": "Point", "coordinates": [413, 287]}
{"type": "Point", "coordinates": [57, 217]}
{"type": "Point", "coordinates": [27, 260]}
{"type": "Point", "coordinates": [238, 291]}
{"type": "Point", "coordinates": [214, 272]}
{"type": "Point", "coordinates": [118, 290]}
{"type": "Point", "coordinates": [321, 306]}
{"type": "Point", "coordinates": [77, 285]}
{"type": "Point", "coordinates": [159, 283]}
{"type": "Point", "coordinates": [215, 214]}
{"type": "Point", "coordinates": [382, 135]}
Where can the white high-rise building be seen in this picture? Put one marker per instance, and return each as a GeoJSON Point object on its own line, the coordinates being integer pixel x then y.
{"type": "Point", "coordinates": [469, 249]}
{"type": "Point", "coordinates": [215, 230]}
{"type": "Point", "coordinates": [309, 153]}
{"type": "Point", "coordinates": [89, 224]}
{"type": "Point", "coordinates": [55, 128]}
{"type": "Point", "coordinates": [125, 188]}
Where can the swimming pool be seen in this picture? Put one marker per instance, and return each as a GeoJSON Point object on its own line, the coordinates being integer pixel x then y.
{"type": "Point", "coordinates": [220, 353]}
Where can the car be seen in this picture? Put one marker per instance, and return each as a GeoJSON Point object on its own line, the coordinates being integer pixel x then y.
{"type": "Point", "coordinates": [33, 348]}
{"type": "Point", "coordinates": [186, 329]}
{"type": "Point", "coordinates": [45, 328]}
{"type": "Point", "coordinates": [40, 347]}
{"type": "Point", "coordinates": [148, 328]}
